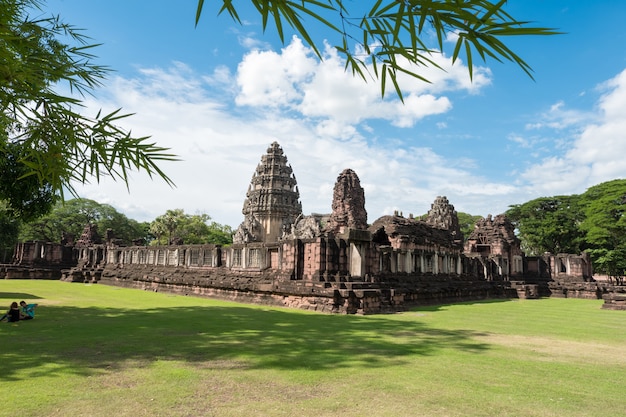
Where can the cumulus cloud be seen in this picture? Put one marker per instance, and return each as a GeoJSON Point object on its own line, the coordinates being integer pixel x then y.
{"type": "Point", "coordinates": [296, 79]}
{"type": "Point", "coordinates": [220, 141]}
{"type": "Point", "coordinates": [595, 154]}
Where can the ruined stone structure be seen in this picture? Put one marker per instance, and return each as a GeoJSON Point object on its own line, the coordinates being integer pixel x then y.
{"type": "Point", "coordinates": [494, 244]}
{"type": "Point", "coordinates": [443, 215]}
{"type": "Point", "coordinates": [336, 262]}
{"type": "Point", "coordinates": [38, 260]}
{"type": "Point", "coordinates": [272, 202]}
{"type": "Point", "coordinates": [348, 204]}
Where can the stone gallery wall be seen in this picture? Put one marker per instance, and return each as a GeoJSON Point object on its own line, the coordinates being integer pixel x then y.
{"type": "Point", "coordinates": [334, 262]}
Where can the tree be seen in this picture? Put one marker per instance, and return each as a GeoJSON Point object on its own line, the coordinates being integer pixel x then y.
{"type": "Point", "coordinates": [191, 229]}
{"type": "Point", "coordinates": [594, 222]}
{"type": "Point", "coordinates": [390, 37]}
{"type": "Point", "coordinates": [45, 142]}
{"type": "Point", "coordinates": [467, 222]}
{"type": "Point", "coordinates": [549, 224]}
{"type": "Point", "coordinates": [604, 226]}
{"type": "Point", "coordinates": [167, 223]}
{"type": "Point", "coordinates": [73, 215]}
{"type": "Point", "coordinates": [26, 197]}
{"type": "Point", "coordinates": [9, 231]}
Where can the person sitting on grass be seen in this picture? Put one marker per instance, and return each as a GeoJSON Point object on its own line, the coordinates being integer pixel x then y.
{"type": "Point", "coordinates": [14, 313]}
{"type": "Point", "coordinates": [28, 311]}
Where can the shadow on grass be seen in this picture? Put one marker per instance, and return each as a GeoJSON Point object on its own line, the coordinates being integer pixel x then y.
{"type": "Point", "coordinates": [438, 307]}
{"type": "Point", "coordinates": [81, 340]}
{"type": "Point", "coordinates": [15, 296]}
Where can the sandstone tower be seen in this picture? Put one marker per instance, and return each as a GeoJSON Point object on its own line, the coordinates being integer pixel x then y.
{"type": "Point", "coordinates": [348, 204]}
{"type": "Point", "coordinates": [443, 215]}
{"type": "Point", "coordinates": [272, 202]}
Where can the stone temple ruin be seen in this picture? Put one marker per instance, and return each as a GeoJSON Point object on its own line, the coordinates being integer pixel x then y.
{"type": "Point", "coordinates": [334, 262]}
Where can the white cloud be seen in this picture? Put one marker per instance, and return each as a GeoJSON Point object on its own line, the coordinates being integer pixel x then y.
{"type": "Point", "coordinates": [314, 110]}
{"type": "Point", "coordinates": [559, 117]}
{"type": "Point", "coordinates": [594, 155]}
{"type": "Point", "coordinates": [296, 79]}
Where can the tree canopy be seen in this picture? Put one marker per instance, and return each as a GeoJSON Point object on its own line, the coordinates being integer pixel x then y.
{"type": "Point", "coordinates": [73, 215]}
{"type": "Point", "coordinates": [594, 222]}
{"type": "Point", "coordinates": [177, 226]}
{"type": "Point", "coordinates": [549, 224]}
{"type": "Point", "coordinates": [46, 143]}
{"type": "Point", "coordinates": [384, 38]}
{"type": "Point", "coordinates": [604, 226]}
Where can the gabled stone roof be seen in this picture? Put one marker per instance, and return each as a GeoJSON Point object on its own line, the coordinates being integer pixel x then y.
{"type": "Point", "coordinates": [401, 229]}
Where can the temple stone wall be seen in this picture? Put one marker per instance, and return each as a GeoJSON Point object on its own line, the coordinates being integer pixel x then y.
{"type": "Point", "coordinates": [332, 262]}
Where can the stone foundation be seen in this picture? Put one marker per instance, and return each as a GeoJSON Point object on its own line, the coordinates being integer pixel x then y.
{"type": "Point", "coordinates": [26, 272]}
{"type": "Point", "coordinates": [614, 301]}
{"type": "Point", "coordinates": [322, 295]}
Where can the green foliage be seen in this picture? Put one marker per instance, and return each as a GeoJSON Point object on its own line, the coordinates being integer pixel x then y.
{"type": "Point", "coordinates": [45, 142]}
{"type": "Point", "coordinates": [9, 231]}
{"type": "Point", "coordinates": [605, 226]}
{"type": "Point", "coordinates": [391, 34]}
{"type": "Point", "coordinates": [549, 224]}
{"type": "Point", "coordinates": [72, 216]}
{"type": "Point", "coordinates": [467, 222]}
{"type": "Point", "coordinates": [175, 225]}
{"type": "Point", "coordinates": [593, 222]}
{"type": "Point", "coordinates": [24, 195]}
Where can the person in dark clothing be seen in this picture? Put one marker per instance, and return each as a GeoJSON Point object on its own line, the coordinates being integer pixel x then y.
{"type": "Point", "coordinates": [14, 313]}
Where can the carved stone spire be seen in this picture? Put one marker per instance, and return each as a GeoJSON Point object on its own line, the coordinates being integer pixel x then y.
{"type": "Point", "coordinates": [348, 204]}
{"type": "Point", "coordinates": [272, 202]}
{"type": "Point", "coordinates": [443, 215]}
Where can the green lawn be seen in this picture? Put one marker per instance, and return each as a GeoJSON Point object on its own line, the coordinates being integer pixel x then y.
{"type": "Point", "coordinates": [95, 350]}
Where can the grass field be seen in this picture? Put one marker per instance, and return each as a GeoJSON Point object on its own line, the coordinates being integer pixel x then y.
{"type": "Point", "coordinates": [95, 350]}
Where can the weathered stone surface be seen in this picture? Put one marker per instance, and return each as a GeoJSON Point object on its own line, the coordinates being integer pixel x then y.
{"type": "Point", "coordinates": [495, 231]}
{"type": "Point", "coordinates": [348, 204]}
{"type": "Point", "coordinates": [614, 301]}
{"type": "Point", "coordinates": [89, 236]}
{"type": "Point", "coordinates": [398, 229]}
{"type": "Point", "coordinates": [272, 202]}
{"type": "Point", "coordinates": [443, 215]}
{"type": "Point", "coordinates": [306, 227]}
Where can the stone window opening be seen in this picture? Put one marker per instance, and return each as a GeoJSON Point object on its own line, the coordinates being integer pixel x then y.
{"type": "Point", "coordinates": [195, 256]}
{"type": "Point", "coordinates": [237, 257]}
{"type": "Point", "coordinates": [254, 261]}
{"type": "Point", "coordinates": [208, 258]}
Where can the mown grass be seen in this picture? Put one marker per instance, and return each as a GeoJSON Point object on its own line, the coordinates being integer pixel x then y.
{"type": "Point", "coordinates": [95, 350]}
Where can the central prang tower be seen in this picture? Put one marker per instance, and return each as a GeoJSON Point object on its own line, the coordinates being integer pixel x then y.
{"type": "Point", "coordinates": [272, 202]}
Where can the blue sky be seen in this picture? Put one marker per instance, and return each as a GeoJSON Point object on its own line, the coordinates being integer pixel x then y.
{"type": "Point", "coordinates": [220, 93]}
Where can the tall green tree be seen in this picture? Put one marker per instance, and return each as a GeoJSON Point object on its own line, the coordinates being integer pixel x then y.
{"type": "Point", "coordinates": [549, 224]}
{"type": "Point", "coordinates": [604, 226]}
{"type": "Point", "coordinates": [46, 143]}
{"type": "Point", "coordinates": [73, 215]}
{"type": "Point", "coordinates": [166, 225]}
{"type": "Point", "coordinates": [389, 35]}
